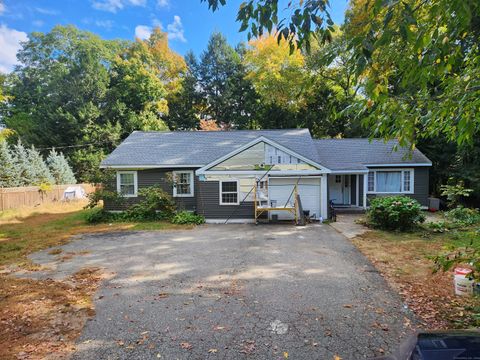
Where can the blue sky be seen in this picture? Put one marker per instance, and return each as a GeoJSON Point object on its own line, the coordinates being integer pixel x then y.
{"type": "Point", "coordinates": [188, 22]}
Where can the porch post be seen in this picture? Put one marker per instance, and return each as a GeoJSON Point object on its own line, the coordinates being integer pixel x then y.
{"type": "Point", "coordinates": [357, 185]}
{"type": "Point", "coordinates": [365, 188]}
{"type": "Point", "coordinates": [324, 196]}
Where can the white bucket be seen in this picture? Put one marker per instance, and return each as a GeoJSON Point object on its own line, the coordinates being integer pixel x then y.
{"type": "Point", "coordinates": [463, 285]}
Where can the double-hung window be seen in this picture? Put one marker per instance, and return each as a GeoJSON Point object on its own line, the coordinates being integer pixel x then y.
{"type": "Point", "coordinates": [392, 181]}
{"type": "Point", "coordinates": [183, 183]}
{"type": "Point", "coordinates": [127, 184]}
{"type": "Point", "coordinates": [229, 192]}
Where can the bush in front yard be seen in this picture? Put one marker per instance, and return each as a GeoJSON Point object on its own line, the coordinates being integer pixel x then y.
{"type": "Point", "coordinates": [186, 217]}
{"type": "Point", "coordinates": [155, 204]}
{"type": "Point", "coordinates": [463, 216]}
{"type": "Point", "coordinates": [394, 213]}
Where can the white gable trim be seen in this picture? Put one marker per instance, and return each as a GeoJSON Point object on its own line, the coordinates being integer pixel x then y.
{"type": "Point", "coordinates": [254, 142]}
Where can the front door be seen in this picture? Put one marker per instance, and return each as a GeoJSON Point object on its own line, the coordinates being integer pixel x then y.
{"type": "Point", "coordinates": [336, 189]}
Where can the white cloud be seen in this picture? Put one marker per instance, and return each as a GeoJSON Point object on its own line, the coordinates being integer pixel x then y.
{"type": "Point", "coordinates": [163, 3]}
{"type": "Point", "coordinates": [2, 8]}
{"type": "Point", "coordinates": [143, 31]}
{"type": "Point", "coordinates": [175, 30]}
{"type": "Point", "coordinates": [46, 11]}
{"type": "Point", "coordinates": [106, 24]}
{"type": "Point", "coordinates": [115, 5]}
{"type": "Point", "coordinates": [37, 23]}
{"type": "Point", "coordinates": [9, 45]}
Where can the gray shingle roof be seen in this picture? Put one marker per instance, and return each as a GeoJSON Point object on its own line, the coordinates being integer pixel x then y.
{"type": "Point", "coordinates": [353, 154]}
{"type": "Point", "coordinates": [200, 147]}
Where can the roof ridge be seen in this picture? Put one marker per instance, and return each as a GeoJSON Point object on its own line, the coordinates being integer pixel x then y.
{"type": "Point", "coordinates": [213, 131]}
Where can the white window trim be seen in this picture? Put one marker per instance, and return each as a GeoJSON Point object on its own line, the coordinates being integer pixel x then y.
{"type": "Point", "coordinates": [220, 192]}
{"type": "Point", "coordinates": [192, 183]}
{"type": "Point", "coordinates": [135, 183]}
{"type": "Point", "coordinates": [412, 179]}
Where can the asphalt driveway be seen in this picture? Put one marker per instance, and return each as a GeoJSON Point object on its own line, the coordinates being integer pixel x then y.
{"type": "Point", "coordinates": [233, 292]}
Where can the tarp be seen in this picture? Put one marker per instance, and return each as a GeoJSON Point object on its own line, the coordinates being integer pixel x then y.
{"type": "Point", "coordinates": [74, 192]}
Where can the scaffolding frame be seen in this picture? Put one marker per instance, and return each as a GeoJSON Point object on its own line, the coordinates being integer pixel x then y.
{"type": "Point", "coordinates": [259, 210]}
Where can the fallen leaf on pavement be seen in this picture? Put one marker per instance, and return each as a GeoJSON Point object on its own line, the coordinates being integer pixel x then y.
{"type": "Point", "coordinates": [213, 351]}
{"type": "Point", "coordinates": [186, 345]}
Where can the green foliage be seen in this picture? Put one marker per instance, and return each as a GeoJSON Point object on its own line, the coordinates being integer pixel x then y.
{"type": "Point", "coordinates": [98, 215]}
{"type": "Point", "coordinates": [455, 192]}
{"type": "Point", "coordinates": [187, 217]}
{"type": "Point", "coordinates": [75, 91]}
{"type": "Point", "coordinates": [100, 194]}
{"type": "Point", "coordinates": [8, 168]}
{"type": "Point", "coordinates": [39, 170]}
{"type": "Point", "coordinates": [24, 173]}
{"type": "Point", "coordinates": [261, 17]}
{"type": "Point", "coordinates": [221, 91]}
{"type": "Point", "coordinates": [59, 86]}
{"type": "Point", "coordinates": [463, 216]}
{"type": "Point", "coordinates": [59, 168]}
{"type": "Point", "coordinates": [395, 213]}
{"type": "Point", "coordinates": [418, 61]}
{"type": "Point", "coordinates": [155, 204]}
{"type": "Point", "coordinates": [440, 226]}
{"type": "Point", "coordinates": [460, 255]}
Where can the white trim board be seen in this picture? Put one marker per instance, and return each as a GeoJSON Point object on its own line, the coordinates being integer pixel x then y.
{"type": "Point", "coordinates": [262, 172]}
{"type": "Point", "coordinates": [254, 142]}
{"type": "Point", "coordinates": [346, 172]}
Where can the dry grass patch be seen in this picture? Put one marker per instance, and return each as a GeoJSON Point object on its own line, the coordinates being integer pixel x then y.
{"type": "Point", "coordinates": [41, 319]}
{"type": "Point", "coordinates": [403, 259]}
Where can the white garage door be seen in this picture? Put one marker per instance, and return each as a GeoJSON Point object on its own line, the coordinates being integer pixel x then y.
{"type": "Point", "coordinates": [308, 189]}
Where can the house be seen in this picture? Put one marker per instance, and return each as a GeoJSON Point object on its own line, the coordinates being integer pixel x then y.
{"type": "Point", "coordinates": [238, 175]}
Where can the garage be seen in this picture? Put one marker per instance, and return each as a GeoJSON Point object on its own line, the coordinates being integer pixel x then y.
{"type": "Point", "coordinates": [280, 189]}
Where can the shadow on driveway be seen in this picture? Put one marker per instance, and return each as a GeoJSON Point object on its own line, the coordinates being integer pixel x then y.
{"type": "Point", "coordinates": [233, 292]}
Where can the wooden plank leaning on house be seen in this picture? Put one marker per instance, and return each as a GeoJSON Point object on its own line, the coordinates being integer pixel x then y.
{"type": "Point", "coordinates": [17, 197]}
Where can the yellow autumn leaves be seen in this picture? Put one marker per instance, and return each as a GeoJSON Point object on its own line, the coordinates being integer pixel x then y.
{"type": "Point", "coordinates": [278, 76]}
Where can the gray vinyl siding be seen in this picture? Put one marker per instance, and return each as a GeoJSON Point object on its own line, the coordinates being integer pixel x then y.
{"type": "Point", "coordinates": [155, 177]}
{"type": "Point", "coordinates": [420, 188]}
{"type": "Point", "coordinates": [208, 204]}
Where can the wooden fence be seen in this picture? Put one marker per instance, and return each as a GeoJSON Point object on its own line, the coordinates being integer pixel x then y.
{"type": "Point", "coordinates": [17, 197]}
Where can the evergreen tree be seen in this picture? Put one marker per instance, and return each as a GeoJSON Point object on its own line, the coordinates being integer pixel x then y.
{"type": "Point", "coordinates": [222, 84]}
{"type": "Point", "coordinates": [8, 168]}
{"type": "Point", "coordinates": [38, 168]}
{"type": "Point", "coordinates": [59, 168]}
{"type": "Point", "coordinates": [26, 176]}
